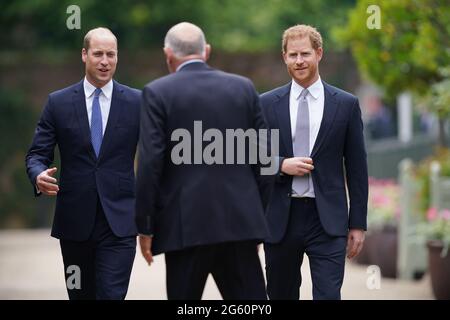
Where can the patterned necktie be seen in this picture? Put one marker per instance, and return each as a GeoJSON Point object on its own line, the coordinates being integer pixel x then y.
{"type": "Point", "coordinates": [300, 184]}
{"type": "Point", "coordinates": [96, 123]}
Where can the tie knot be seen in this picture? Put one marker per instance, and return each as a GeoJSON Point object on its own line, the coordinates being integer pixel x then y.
{"type": "Point", "coordinates": [97, 92]}
{"type": "Point", "coordinates": [304, 94]}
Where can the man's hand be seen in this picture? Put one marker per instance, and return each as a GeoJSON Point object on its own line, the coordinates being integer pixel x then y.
{"type": "Point", "coordinates": [355, 242]}
{"type": "Point", "coordinates": [146, 248]}
{"type": "Point", "coordinates": [46, 183]}
{"type": "Point", "coordinates": [297, 166]}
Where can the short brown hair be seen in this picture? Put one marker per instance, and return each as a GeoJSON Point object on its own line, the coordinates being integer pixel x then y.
{"type": "Point", "coordinates": [300, 31]}
{"type": "Point", "coordinates": [88, 36]}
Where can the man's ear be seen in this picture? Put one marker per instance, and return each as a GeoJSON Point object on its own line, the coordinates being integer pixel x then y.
{"type": "Point", "coordinates": [284, 56]}
{"type": "Point", "coordinates": [319, 53]}
{"type": "Point", "coordinates": [168, 52]}
{"type": "Point", "coordinates": [83, 55]}
{"type": "Point", "coordinates": [207, 52]}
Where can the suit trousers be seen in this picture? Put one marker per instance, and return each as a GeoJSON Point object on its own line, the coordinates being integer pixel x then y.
{"type": "Point", "coordinates": [104, 263]}
{"type": "Point", "coordinates": [326, 255]}
{"type": "Point", "coordinates": [235, 267]}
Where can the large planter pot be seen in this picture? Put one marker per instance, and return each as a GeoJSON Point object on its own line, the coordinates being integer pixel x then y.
{"type": "Point", "coordinates": [439, 270]}
{"type": "Point", "coordinates": [385, 251]}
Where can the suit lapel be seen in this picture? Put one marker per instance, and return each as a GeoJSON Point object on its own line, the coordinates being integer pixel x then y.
{"type": "Point", "coordinates": [329, 113]}
{"type": "Point", "coordinates": [79, 103]}
{"type": "Point", "coordinates": [284, 118]}
{"type": "Point", "coordinates": [114, 115]}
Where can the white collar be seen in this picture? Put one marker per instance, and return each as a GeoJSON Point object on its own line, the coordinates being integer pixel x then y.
{"type": "Point", "coordinates": [188, 62]}
{"type": "Point", "coordinates": [314, 90]}
{"type": "Point", "coordinates": [89, 88]}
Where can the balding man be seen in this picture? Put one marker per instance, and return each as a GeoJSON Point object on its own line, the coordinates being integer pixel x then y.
{"type": "Point", "coordinates": [95, 123]}
{"type": "Point", "coordinates": [206, 216]}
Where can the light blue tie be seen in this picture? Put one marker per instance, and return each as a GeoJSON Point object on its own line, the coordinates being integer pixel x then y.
{"type": "Point", "coordinates": [96, 123]}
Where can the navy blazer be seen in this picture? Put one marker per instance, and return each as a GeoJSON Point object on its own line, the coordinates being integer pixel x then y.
{"type": "Point", "coordinates": [83, 178]}
{"type": "Point", "coordinates": [338, 155]}
{"type": "Point", "coordinates": [197, 204]}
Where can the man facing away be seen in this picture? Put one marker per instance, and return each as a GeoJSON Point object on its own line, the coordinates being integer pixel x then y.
{"type": "Point", "coordinates": [95, 123]}
{"type": "Point", "coordinates": [321, 153]}
{"type": "Point", "coordinates": [206, 218]}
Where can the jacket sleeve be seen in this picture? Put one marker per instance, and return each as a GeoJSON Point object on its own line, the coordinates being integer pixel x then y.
{"type": "Point", "coordinates": [151, 152]}
{"type": "Point", "coordinates": [41, 153]}
{"type": "Point", "coordinates": [355, 160]}
{"type": "Point", "coordinates": [265, 172]}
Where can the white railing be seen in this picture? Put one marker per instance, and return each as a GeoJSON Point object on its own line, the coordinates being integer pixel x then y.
{"type": "Point", "coordinates": [412, 254]}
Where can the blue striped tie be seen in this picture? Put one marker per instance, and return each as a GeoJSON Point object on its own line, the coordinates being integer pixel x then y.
{"type": "Point", "coordinates": [96, 123]}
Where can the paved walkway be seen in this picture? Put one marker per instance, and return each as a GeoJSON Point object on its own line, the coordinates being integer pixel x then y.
{"type": "Point", "coordinates": [31, 268]}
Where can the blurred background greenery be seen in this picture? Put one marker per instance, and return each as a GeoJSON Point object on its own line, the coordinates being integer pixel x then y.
{"type": "Point", "coordinates": [39, 54]}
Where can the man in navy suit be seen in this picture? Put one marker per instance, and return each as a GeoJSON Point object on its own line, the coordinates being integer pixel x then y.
{"type": "Point", "coordinates": [207, 217]}
{"type": "Point", "coordinates": [322, 157]}
{"type": "Point", "coordinates": [95, 123]}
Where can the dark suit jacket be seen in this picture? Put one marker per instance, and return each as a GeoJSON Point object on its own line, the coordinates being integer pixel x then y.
{"type": "Point", "coordinates": [197, 204]}
{"type": "Point", "coordinates": [338, 155]}
{"type": "Point", "coordinates": [83, 178]}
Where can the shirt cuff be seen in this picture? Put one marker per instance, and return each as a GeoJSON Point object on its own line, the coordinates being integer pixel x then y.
{"type": "Point", "coordinates": [146, 235]}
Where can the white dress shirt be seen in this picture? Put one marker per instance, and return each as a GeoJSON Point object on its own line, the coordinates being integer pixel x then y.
{"type": "Point", "coordinates": [104, 99]}
{"type": "Point", "coordinates": [316, 100]}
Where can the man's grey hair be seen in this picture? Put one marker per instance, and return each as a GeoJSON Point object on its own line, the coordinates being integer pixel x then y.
{"type": "Point", "coordinates": [185, 39]}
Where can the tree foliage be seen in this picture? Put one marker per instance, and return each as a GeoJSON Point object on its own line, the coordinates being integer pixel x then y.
{"type": "Point", "coordinates": [15, 117]}
{"type": "Point", "coordinates": [409, 49]}
{"type": "Point", "coordinates": [232, 25]}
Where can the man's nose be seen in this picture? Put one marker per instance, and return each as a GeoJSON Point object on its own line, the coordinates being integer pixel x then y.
{"type": "Point", "coordinates": [299, 59]}
{"type": "Point", "coordinates": [104, 60]}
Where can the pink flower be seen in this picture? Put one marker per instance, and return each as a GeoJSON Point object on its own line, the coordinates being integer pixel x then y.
{"type": "Point", "coordinates": [445, 214]}
{"type": "Point", "coordinates": [381, 200]}
{"type": "Point", "coordinates": [432, 214]}
{"type": "Point", "coordinates": [388, 182]}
